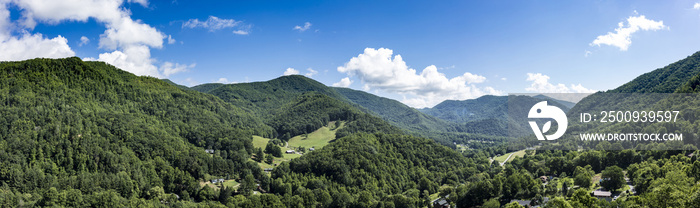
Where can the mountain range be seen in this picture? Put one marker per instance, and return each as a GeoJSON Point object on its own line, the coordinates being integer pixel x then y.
{"type": "Point", "coordinates": [82, 133]}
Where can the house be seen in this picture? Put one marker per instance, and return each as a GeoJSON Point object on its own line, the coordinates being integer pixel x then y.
{"type": "Point", "coordinates": [289, 152]}
{"type": "Point", "coordinates": [543, 179]}
{"type": "Point", "coordinates": [210, 151]}
{"type": "Point", "coordinates": [217, 180]}
{"type": "Point", "coordinates": [600, 194]}
{"type": "Point", "coordinates": [268, 169]}
{"type": "Point", "coordinates": [311, 149]}
{"type": "Point", "coordinates": [441, 203]}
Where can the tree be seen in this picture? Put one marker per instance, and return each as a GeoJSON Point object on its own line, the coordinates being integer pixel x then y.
{"type": "Point", "coordinates": [613, 178]}
{"type": "Point", "coordinates": [259, 154]}
{"type": "Point", "coordinates": [583, 180]}
{"type": "Point", "coordinates": [269, 159]}
{"type": "Point", "coordinates": [558, 202]}
{"type": "Point", "coordinates": [247, 185]}
{"type": "Point", "coordinates": [492, 203]}
{"type": "Point", "coordinates": [273, 149]}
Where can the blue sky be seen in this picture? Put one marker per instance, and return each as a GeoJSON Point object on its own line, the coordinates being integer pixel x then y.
{"type": "Point", "coordinates": [448, 50]}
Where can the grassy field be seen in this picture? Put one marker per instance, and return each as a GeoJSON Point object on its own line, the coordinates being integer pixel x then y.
{"type": "Point", "coordinates": [260, 142]}
{"type": "Point", "coordinates": [231, 184]}
{"type": "Point", "coordinates": [316, 139]}
{"type": "Point", "coordinates": [502, 158]}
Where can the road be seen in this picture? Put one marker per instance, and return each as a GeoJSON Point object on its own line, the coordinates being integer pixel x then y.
{"type": "Point", "coordinates": [504, 162]}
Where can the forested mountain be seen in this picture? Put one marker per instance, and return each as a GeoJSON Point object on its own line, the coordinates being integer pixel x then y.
{"type": "Point", "coordinates": [568, 104]}
{"type": "Point", "coordinates": [205, 88]}
{"type": "Point", "coordinates": [81, 134]}
{"type": "Point", "coordinates": [650, 92]}
{"type": "Point", "coordinates": [396, 112]}
{"type": "Point", "coordinates": [489, 115]}
{"type": "Point", "coordinates": [664, 80]}
{"type": "Point", "coordinates": [97, 134]}
{"type": "Point", "coordinates": [262, 97]}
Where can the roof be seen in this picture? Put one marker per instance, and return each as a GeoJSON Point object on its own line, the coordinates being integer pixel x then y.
{"type": "Point", "coordinates": [602, 193]}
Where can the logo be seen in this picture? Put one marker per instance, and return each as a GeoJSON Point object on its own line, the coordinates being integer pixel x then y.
{"type": "Point", "coordinates": [542, 110]}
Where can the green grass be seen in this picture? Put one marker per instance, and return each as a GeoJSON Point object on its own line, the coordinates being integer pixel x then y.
{"type": "Point", "coordinates": [231, 184]}
{"type": "Point", "coordinates": [316, 139]}
{"type": "Point", "coordinates": [260, 142]}
{"type": "Point", "coordinates": [502, 158]}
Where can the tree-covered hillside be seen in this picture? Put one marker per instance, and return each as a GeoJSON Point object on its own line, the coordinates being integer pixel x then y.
{"type": "Point", "coordinates": [396, 112]}
{"type": "Point", "coordinates": [99, 134]}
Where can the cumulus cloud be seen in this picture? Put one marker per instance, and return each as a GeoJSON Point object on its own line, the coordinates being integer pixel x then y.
{"type": "Point", "coordinates": [290, 71]}
{"type": "Point", "coordinates": [143, 3]}
{"type": "Point", "coordinates": [540, 84]}
{"type": "Point", "coordinates": [214, 23]}
{"type": "Point", "coordinates": [171, 40]}
{"type": "Point", "coordinates": [129, 41]}
{"type": "Point", "coordinates": [306, 26]}
{"type": "Point", "coordinates": [84, 40]}
{"type": "Point", "coordinates": [379, 69]}
{"type": "Point", "coordinates": [696, 5]}
{"type": "Point", "coordinates": [345, 82]}
{"type": "Point", "coordinates": [30, 46]}
{"type": "Point", "coordinates": [169, 68]}
{"type": "Point", "coordinates": [621, 37]}
{"type": "Point", "coordinates": [311, 72]}
{"type": "Point", "coordinates": [222, 80]}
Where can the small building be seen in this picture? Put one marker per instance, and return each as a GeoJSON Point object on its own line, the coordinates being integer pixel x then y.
{"type": "Point", "coordinates": [600, 194]}
{"type": "Point", "coordinates": [289, 152]}
{"type": "Point", "coordinates": [311, 149]}
{"type": "Point", "coordinates": [210, 151]}
{"type": "Point", "coordinates": [543, 179]}
{"type": "Point", "coordinates": [217, 180]}
{"type": "Point", "coordinates": [441, 203]}
{"type": "Point", "coordinates": [268, 169]}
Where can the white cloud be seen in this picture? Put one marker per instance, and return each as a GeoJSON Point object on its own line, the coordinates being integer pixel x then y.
{"type": "Point", "coordinates": [143, 3]}
{"type": "Point", "coordinates": [621, 37]}
{"type": "Point", "coordinates": [83, 40]}
{"type": "Point", "coordinates": [504, 79]}
{"type": "Point", "coordinates": [696, 5]}
{"type": "Point", "coordinates": [540, 84]}
{"type": "Point", "coordinates": [127, 32]}
{"type": "Point", "coordinates": [135, 59]}
{"type": "Point", "coordinates": [222, 80]}
{"type": "Point", "coordinates": [129, 40]}
{"type": "Point", "coordinates": [377, 69]}
{"type": "Point", "coordinates": [311, 72]}
{"type": "Point", "coordinates": [171, 40]}
{"type": "Point", "coordinates": [306, 26]}
{"type": "Point", "coordinates": [587, 53]}
{"type": "Point", "coordinates": [169, 68]}
{"type": "Point", "coordinates": [290, 71]}
{"type": "Point", "coordinates": [30, 46]}
{"type": "Point", "coordinates": [215, 23]}
{"type": "Point", "coordinates": [345, 82]}
{"type": "Point", "coordinates": [240, 32]}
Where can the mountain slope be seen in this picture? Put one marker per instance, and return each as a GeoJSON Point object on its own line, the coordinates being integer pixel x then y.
{"type": "Point", "coordinates": [205, 88]}
{"type": "Point", "coordinates": [395, 112]}
{"type": "Point", "coordinates": [91, 127]}
{"type": "Point", "coordinates": [488, 115]}
{"type": "Point", "coordinates": [262, 97]}
{"type": "Point", "coordinates": [664, 80]}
